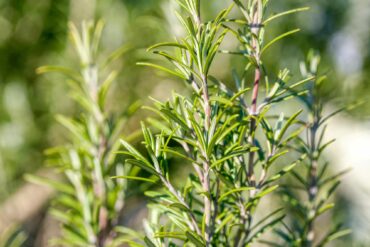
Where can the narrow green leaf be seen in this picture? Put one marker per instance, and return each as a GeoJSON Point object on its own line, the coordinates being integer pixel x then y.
{"type": "Point", "coordinates": [177, 74]}
{"type": "Point", "coordinates": [169, 44]}
{"type": "Point", "coordinates": [175, 235]}
{"type": "Point", "coordinates": [49, 182]}
{"type": "Point", "coordinates": [268, 45]}
{"type": "Point", "coordinates": [149, 242]}
{"type": "Point", "coordinates": [194, 239]}
{"type": "Point", "coordinates": [234, 191]}
{"type": "Point", "coordinates": [292, 11]}
{"type": "Point", "coordinates": [135, 178]}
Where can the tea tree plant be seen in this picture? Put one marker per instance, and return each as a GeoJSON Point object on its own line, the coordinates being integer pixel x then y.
{"type": "Point", "coordinates": [227, 139]}
{"type": "Point", "coordinates": [316, 183]}
{"type": "Point", "coordinates": [90, 203]}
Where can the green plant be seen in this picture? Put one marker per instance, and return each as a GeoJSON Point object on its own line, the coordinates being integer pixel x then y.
{"type": "Point", "coordinates": [12, 237]}
{"type": "Point", "coordinates": [90, 203]}
{"type": "Point", "coordinates": [314, 180]}
{"type": "Point", "coordinates": [228, 140]}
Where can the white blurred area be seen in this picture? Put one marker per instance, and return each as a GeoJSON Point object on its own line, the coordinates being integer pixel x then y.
{"type": "Point", "coordinates": [351, 150]}
{"type": "Point", "coordinates": [348, 48]}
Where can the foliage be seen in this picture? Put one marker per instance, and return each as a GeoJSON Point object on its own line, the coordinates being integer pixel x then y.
{"type": "Point", "coordinates": [90, 204]}
{"type": "Point", "coordinates": [230, 138]}
{"type": "Point", "coordinates": [314, 180]}
{"type": "Point", "coordinates": [230, 144]}
{"type": "Point", "coordinates": [31, 33]}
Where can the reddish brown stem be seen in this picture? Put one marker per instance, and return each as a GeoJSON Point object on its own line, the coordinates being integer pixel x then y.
{"type": "Point", "coordinates": [251, 176]}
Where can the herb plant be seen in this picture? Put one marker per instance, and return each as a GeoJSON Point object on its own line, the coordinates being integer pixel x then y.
{"type": "Point", "coordinates": [314, 179]}
{"type": "Point", "coordinates": [91, 202]}
{"type": "Point", "coordinates": [227, 139]}
{"type": "Point", "coordinates": [234, 146]}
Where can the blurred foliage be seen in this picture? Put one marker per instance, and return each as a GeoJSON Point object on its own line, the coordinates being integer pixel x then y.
{"type": "Point", "coordinates": [12, 237]}
{"type": "Point", "coordinates": [29, 32]}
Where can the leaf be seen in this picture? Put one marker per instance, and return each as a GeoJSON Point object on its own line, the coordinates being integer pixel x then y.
{"type": "Point", "coordinates": [179, 206]}
{"type": "Point", "coordinates": [278, 38]}
{"type": "Point", "coordinates": [49, 182]}
{"type": "Point", "coordinates": [116, 55]}
{"type": "Point", "coordinates": [345, 108]}
{"type": "Point", "coordinates": [224, 222]}
{"type": "Point", "coordinates": [339, 234]}
{"type": "Point", "coordinates": [239, 94]}
{"type": "Point", "coordinates": [266, 191]}
{"type": "Point", "coordinates": [133, 152]}
{"type": "Point", "coordinates": [297, 84]}
{"type": "Point", "coordinates": [171, 151]}
{"type": "Point", "coordinates": [135, 178]}
{"type": "Point", "coordinates": [221, 132]}
{"type": "Point", "coordinates": [289, 122]}
{"type": "Point", "coordinates": [185, 69]}
{"type": "Point", "coordinates": [176, 235]}
{"type": "Point", "coordinates": [97, 37]}
{"type": "Point", "coordinates": [176, 118]}
{"type": "Point", "coordinates": [59, 69]}
{"type": "Point", "coordinates": [142, 165]}
{"type": "Point", "coordinates": [334, 177]}
{"type": "Point", "coordinates": [170, 44]}
{"type": "Point", "coordinates": [281, 173]}
{"type": "Point", "coordinates": [177, 74]}
{"type": "Point", "coordinates": [73, 126]}
{"type": "Point", "coordinates": [194, 239]}
{"type": "Point", "coordinates": [264, 228]}
{"type": "Point", "coordinates": [233, 155]}
{"type": "Point", "coordinates": [323, 147]}
{"type": "Point", "coordinates": [292, 11]}
{"type": "Point", "coordinates": [105, 87]}
{"type": "Point", "coordinates": [148, 242]}
{"type": "Point", "coordinates": [335, 234]}
{"type": "Point", "coordinates": [325, 208]}
{"type": "Point", "coordinates": [221, 100]}
{"type": "Point", "coordinates": [269, 216]}
{"type": "Point", "coordinates": [234, 191]}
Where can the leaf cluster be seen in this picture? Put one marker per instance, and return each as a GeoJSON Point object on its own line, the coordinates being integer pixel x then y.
{"type": "Point", "coordinates": [232, 148]}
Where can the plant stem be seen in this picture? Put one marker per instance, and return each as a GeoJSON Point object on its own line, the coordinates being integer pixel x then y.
{"type": "Point", "coordinates": [205, 179]}
{"type": "Point", "coordinates": [312, 178]}
{"type": "Point", "coordinates": [207, 106]}
{"type": "Point", "coordinates": [251, 176]}
{"type": "Point", "coordinates": [173, 191]}
{"type": "Point", "coordinates": [255, 29]}
{"type": "Point", "coordinates": [207, 205]}
{"type": "Point", "coordinates": [206, 167]}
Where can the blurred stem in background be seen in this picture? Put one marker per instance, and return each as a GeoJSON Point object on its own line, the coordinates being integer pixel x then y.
{"type": "Point", "coordinates": [314, 180]}
{"type": "Point", "coordinates": [91, 203]}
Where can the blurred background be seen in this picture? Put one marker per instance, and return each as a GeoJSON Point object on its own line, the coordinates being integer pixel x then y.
{"type": "Point", "coordinates": [34, 33]}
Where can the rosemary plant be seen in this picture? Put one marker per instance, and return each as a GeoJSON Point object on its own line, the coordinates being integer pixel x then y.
{"type": "Point", "coordinates": [13, 237]}
{"type": "Point", "coordinates": [315, 181]}
{"type": "Point", "coordinates": [227, 139]}
{"type": "Point", "coordinates": [90, 203]}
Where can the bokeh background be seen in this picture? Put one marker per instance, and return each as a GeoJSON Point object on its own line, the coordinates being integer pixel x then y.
{"type": "Point", "coordinates": [35, 33]}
